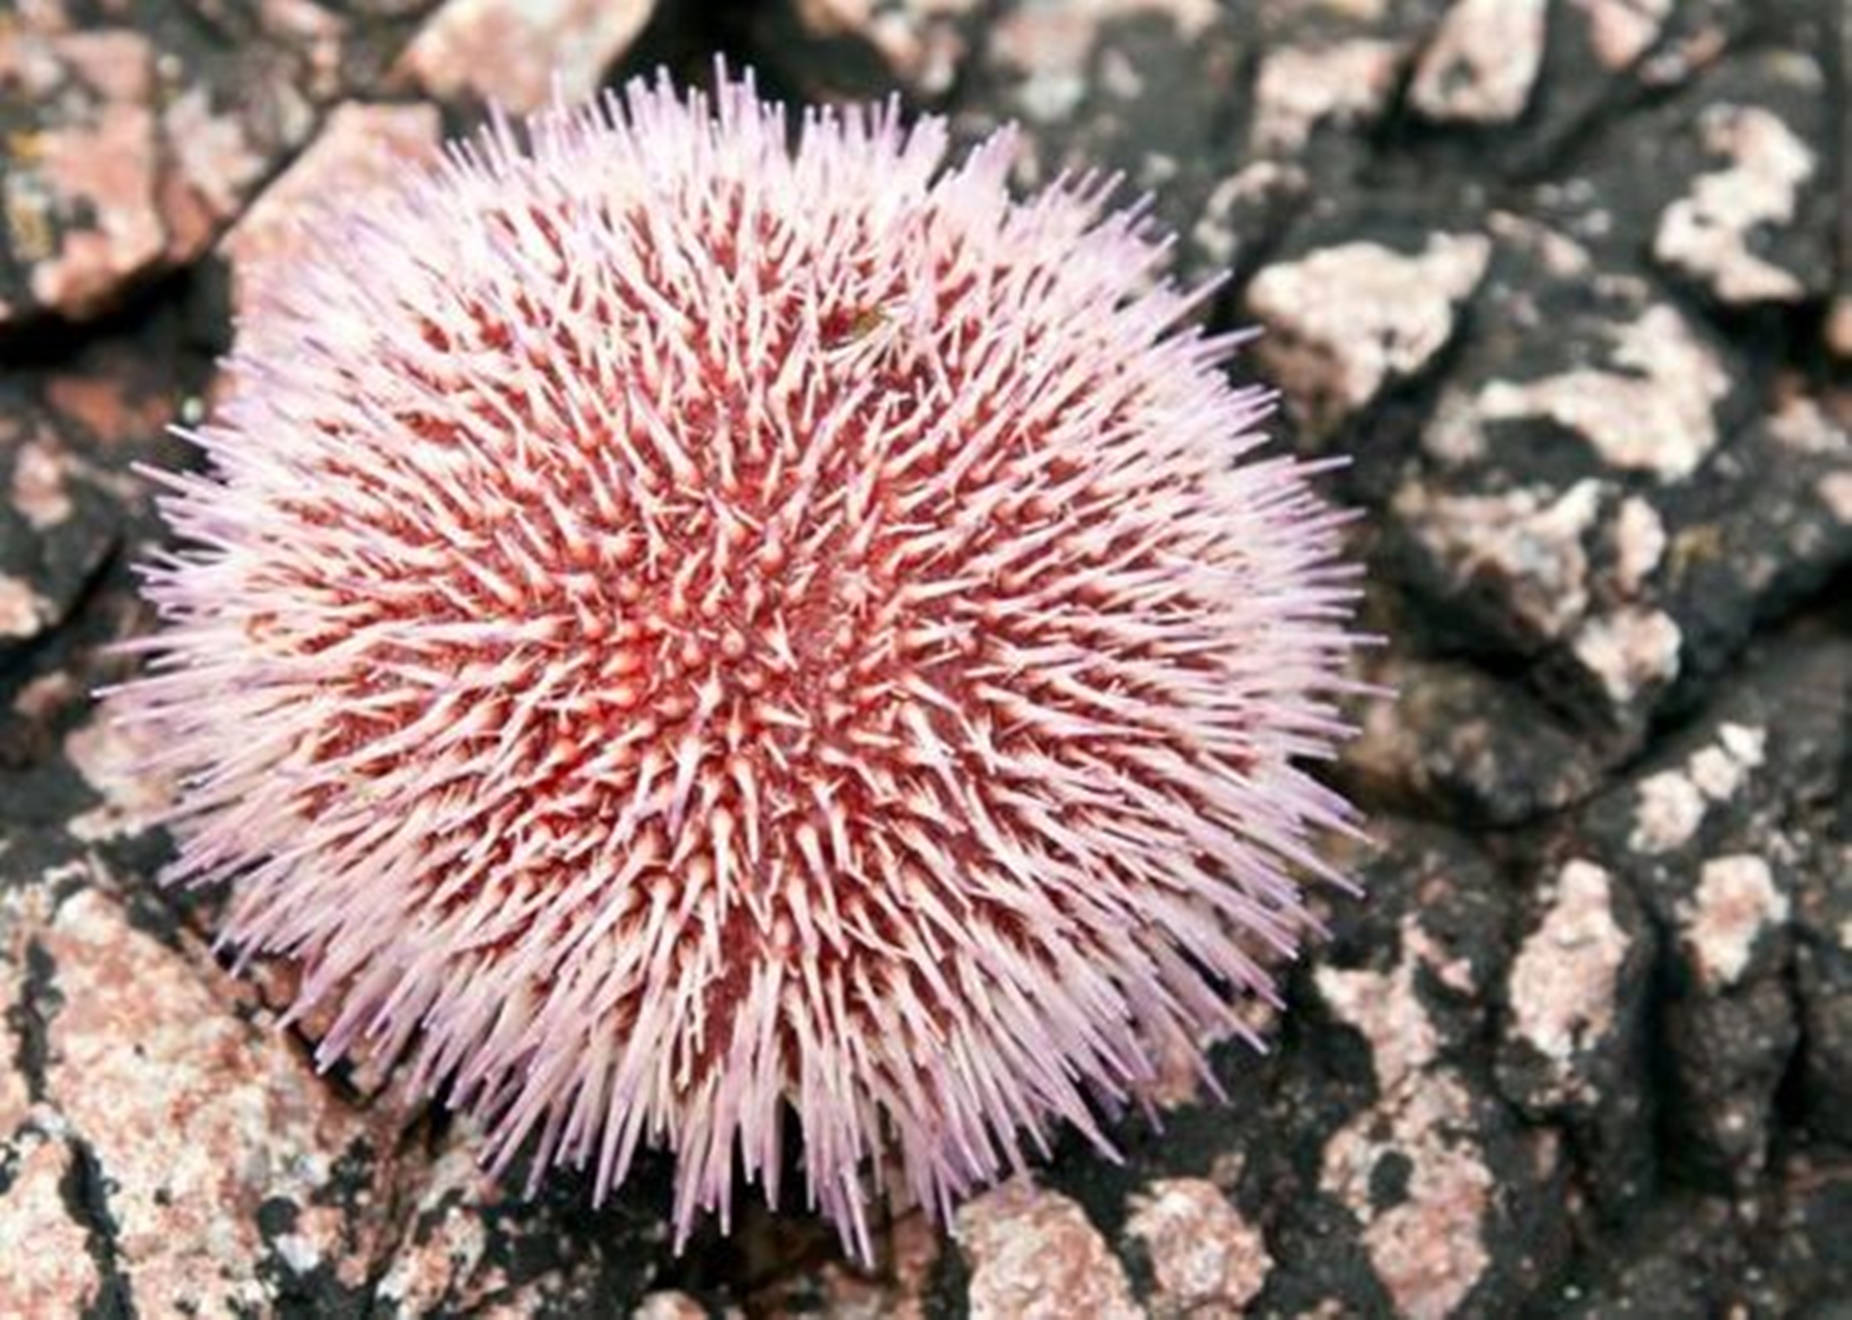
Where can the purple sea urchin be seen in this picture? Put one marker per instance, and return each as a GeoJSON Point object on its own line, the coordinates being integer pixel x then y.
{"type": "Point", "coordinates": [678, 631]}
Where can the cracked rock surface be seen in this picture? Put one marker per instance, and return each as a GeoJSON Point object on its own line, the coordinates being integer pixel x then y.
{"type": "Point", "coordinates": [1570, 284]}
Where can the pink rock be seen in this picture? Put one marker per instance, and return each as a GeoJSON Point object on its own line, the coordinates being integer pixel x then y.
{"type": "Point", "coordinates": [80, 205]}
{"type": "Point", "coordinates": [509, 52]}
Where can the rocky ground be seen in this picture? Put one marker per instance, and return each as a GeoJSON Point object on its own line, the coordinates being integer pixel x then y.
{"type": "Point", "coordinates": [1570, 280]}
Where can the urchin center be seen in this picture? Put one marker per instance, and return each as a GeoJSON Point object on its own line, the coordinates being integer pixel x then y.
{"type": "Point", "coordinates": [746, 624]}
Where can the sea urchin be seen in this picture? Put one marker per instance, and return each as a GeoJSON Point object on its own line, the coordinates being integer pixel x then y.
{"type": "Point", "coordinates": [678, 629]}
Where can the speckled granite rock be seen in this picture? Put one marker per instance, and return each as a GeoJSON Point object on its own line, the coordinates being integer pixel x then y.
{"type": "Point", "coordinates": [69, 431]}
{"type": "Point", "coordinates": [518, 54]}
{"type": "Point", "coordinates": [1459, 741]}
{"type": "Point", "coordinates": [1726, 185]}
{"type": "Point", "coordinates": [1714, 836]}
{"type": "Point", "coordinates": [1559, 278]}
{"type": "Point", "coordinates": [128, 148]}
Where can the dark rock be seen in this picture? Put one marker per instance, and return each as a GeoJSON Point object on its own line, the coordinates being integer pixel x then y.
{"type": "Point", "coordinates": [1142, 88]}
{"type": "Point", "coordinates": [1396, 1175]}
{"type": "Point", "coordinates": [831, 49]}
{"type": "Point", "coordinates": [1726, 186]}
{"type": "Point", "coordinates": [1531, 513]}
{"type": "Point", "coordinates": [1681, 1258]}
{"type": "Point", "coordinates": [1702, 834]}
{"type": "Point", "coordinates": [1572, 1045]}
{"type": "Point", "coordinates": [1767, 528]}
{"type": "Point", "coordinates": [68, 503]}
{"type": "Point", "coordinates": [1823, 984]}
{"type": "Point", "coordinates": [1458, 744]}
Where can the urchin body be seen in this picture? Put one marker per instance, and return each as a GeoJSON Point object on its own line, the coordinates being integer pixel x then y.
{"type": "Point", "coordinates": [678, 632]}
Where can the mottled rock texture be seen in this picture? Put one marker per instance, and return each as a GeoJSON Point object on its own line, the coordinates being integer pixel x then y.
{"type": "Point", "coordinates": [1567, 281]}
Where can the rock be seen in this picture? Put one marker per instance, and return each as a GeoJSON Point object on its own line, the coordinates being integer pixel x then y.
{"type": "Point", "coordinates": [1302, 88]}
{"type": "Point", "coordinates": [67, 438]}
{"type": "Point", "coordinates": [1525, 552]}
{"type": "Point", "coordinates": [1823, 984]}
{"type": "Point", "coordinates": [1765, 528]}
{"type": "Point", "coordinates": [51, 1270]}
{"type": "Point", "coordinates": [1134, 87]}
{"type": "Point", "coordinates": [1572, 1045]}
{"type": "Point", "coordinates": [1698, 1255]}
{"type": "Point", "coordinates": [82, 202]}
{"type": "Point", "coordinates": [1459, 744]}
{"type": "Point", "coordinates": [1427, 1244]}
{"type": "Point", "coordinates": [131, 150]}
{"type": "Point", "coordinates": [1442, 1193]}
{"type": "Point", "coordinates": [915, 1258]}
{"type": "Point", "coordinates": [195, 1119]}
{"type": "Point", "coordinates": [176, 1116]}
{"type": "Point", "coordinates": [1684, 1254]}
{"type": "Point", "coordinates": [1034, 1253]}
{"type": "Point", "coordinates": [919, 44]}
{"type": "Point", "coordinates": [1345, 322]}
{"type": "Point", "coordinates": [1839, 326]}
{"type": "Point", "coordinates": [1706, 234]}
{"type": "Point", "coordinates": [1586, 494]}
{"type": "Point", "coordinates": [1698, 834]}
{"type": "Point", "coordinates": [1482, 61]}
{"type": "Point", "coordinates": [1811, 1201]}
{"type": "Point", "coordinates": [1575, 994]}
{"type": "Point", "coordinates": [1050, 50]}
{"type": "Point", "coordinates": [1648, 410]}
{"type": "Point", "coordinates": [518, 54]}
{"type": "Point", "coordinates": [669, 1305]}
{"type": "Point", "coordinates": [1731, 923]}
{"type": "Point", "coordinates": [1204, 1256]}
{"type": "Point", "coordinates": [1621, 31]}
{"type": "Point", "coordinates": [1722, 185]}
{"type": "Point", "coordinates": [1731, 1052]}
